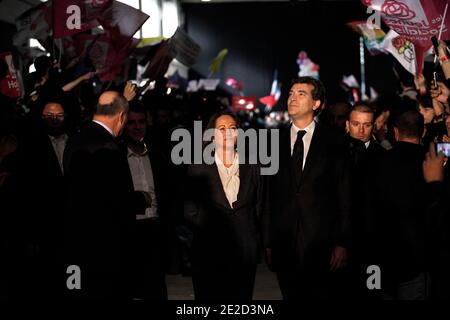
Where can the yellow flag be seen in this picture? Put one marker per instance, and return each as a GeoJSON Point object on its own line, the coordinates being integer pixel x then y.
{"type": "Point", "coordinates": [149, 41]}
{"type": "Point", "coordinates": [217, 61]}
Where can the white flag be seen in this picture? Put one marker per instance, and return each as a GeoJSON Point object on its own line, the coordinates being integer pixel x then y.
{"type": "Point", "coordinates": [402, 49]}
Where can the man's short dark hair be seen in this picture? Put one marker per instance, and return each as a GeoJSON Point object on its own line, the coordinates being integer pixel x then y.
{"type": "Point", "coordinates": [318, 92]}
{"type": "Point", "coordinates": [119, 104]}
{"type": "Point", "coordinates": [410, 124]}
{"type": "Point", "coordinates": [137, 107]}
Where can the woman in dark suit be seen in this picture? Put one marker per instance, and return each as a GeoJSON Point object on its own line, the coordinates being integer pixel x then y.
{"type": "Point", "coordinates": [222, 206]}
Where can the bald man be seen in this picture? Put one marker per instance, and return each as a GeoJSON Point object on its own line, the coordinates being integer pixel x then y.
{"type": "Point", "coordinates": [102, 202]}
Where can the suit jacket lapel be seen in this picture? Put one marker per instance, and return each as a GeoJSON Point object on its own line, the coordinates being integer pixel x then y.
{"type": "Point", "coordinates": [53, 156]}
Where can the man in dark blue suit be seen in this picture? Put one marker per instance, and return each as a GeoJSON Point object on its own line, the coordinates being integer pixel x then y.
{"type": "Point", "coordinates": [308, 218]}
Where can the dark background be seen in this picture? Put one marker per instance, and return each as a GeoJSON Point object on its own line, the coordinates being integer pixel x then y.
{"type": "Point", "coordinates": [262, 37]}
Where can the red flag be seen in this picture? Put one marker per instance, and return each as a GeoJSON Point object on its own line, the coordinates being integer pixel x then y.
{"type": "Point", "coordinates": [9, 86]}
{"type": "Point", "coordinates": [75, 16]}
{"type": "Point", "coordinates": [122, 20]}
{"type": "Point", "coordinates": [269, 101]}
{"type": "Point", "coordinates": [116, 60]}
{"type": "Point", "coordinates": [415, 20]}
{"type": "Point", "coordinates": [275, 92]}
{"type": "Point", "coordinates": [420, 57]}
{"type": "Point", "coordinates": [106, 59]}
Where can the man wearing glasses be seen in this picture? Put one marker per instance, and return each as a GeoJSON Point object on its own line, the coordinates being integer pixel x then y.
{"type": "Point", "coordinates": [41, 194]}
{"type": "Point", "coordinates": [53, 116]}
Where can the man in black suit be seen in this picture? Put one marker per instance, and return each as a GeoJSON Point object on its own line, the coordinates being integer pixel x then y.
{"type": "Point", "coordinates": [400, 215]}
{"type": "Point", "coordinates": [365, 153]}
{"type": "Point", "coordinates": [307, 225]}
{"type": "Point", "coordinates": [150, 230]}
{"type": "Point", "coordinates": [359, 126]}
{"type": "Point", "coordinates": [40, 203]}
{"type": "Point", "coordinates": [102, 202]}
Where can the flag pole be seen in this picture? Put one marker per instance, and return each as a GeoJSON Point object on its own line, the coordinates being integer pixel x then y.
{"type": "Point", "coordinates": [443, 19]}
{"type": "Point", "coordinates": [53, 30]}
{"type": "Point", "coordinates": [440, 29]}
{"type": "Point", "coordinates": [362, 63]}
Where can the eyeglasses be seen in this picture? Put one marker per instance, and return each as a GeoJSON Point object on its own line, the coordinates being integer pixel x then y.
{"type": "Point", "coordinates": [53, 115]}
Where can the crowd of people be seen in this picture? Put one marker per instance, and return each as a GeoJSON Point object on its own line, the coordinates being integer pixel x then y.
{"type": "Point", "coordinates": [86, 180]}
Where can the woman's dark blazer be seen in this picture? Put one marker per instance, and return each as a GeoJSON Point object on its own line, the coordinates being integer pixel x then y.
{"type": "Point", "coordinates": [225, 237]}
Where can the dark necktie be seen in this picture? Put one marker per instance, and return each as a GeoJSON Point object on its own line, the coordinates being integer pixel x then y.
{"type": "Point", "coordinates": [297, 156]}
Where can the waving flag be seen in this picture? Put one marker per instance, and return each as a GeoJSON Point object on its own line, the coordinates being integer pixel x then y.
{"type": "Point", "coordinates": [185, 48]}
{"type": "Point", "coordinates": [275, 92]}
{"type": "Point", "coordinates": [402, 49]}
{"type": "Point", "coordinates": [373, 36]}
{"type": "Point", "coordinates": [214, 67]}
{"type": "Point", "coordinates": [122, 20]}
{"type": "Point", "coordinates": [10, 85]}
{"type": "Point", "coordinates": [102, 53]}
{"type": "Point", "coordinates": [307, 68]}
{"type": "Point", "coordinates": [414, 20]}
{"type": "Point", "coordinates": [116, 62]}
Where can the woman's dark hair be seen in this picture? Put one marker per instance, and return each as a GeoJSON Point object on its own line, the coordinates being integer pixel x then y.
{"type": "Point", "coordinates": [213, 119]}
